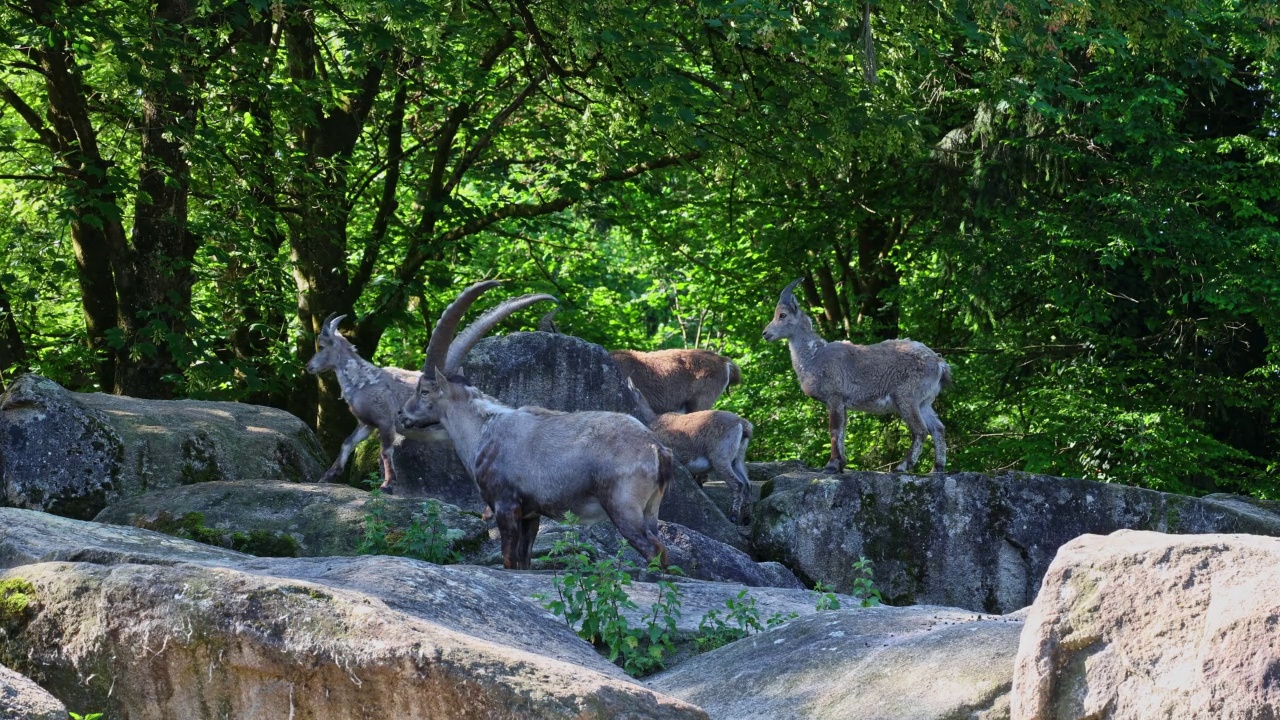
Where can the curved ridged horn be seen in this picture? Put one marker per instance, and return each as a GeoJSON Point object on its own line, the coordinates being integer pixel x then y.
{"type": "Point", "coordinates": [788, 297]}
{"type": "Point", "coordinates": [331, 325]}
{"type": "Point", "coordinates": [442, 335]}
{"type": "Point", "coordinates": [476, 330]}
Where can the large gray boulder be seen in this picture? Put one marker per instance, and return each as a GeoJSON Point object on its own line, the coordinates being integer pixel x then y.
{"type": "Point", "coordinates": [699, 557]}
{"type": "Point", "coordinates": [559, 372]}
{"type": "Point", "coordinates": [22, 699]}
{"type": "Point", "coordinates": [686, 504]}
{"type": "Point", "coordinates": [143, 625]}
{"type": "Point", "coordinates": [74, 453]}
{"type": "Point", "coordinates": [270, 518]}
{"type": "Point", "coordinates": [1141, 625]}
{"type": "Point", "coordinates": [967, 540]}
{"type": "Point", "coordinates": [885, 663]}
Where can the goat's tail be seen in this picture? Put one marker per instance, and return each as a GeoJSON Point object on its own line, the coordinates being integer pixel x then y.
{"type": "Point", "coordinates": [735, 375]}
{"type": "Point", "coordinates": [666, 468]}
{"type": "Point", "coordinates": [946, 376]}
{"type": "Point", "coordinates": [747, 428]}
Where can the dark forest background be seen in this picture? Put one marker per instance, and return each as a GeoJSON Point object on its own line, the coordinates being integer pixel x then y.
{"type": "Point", "coordinates": [1074, 201]}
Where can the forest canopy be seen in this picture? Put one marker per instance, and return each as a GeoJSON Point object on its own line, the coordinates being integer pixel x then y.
{"type": "Point", "coordinates": [1075, 202]}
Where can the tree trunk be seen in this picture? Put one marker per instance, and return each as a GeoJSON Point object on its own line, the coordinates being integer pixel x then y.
{"type": "Point", "coordinates": [876, 275]}
{"type": "Point", "coordinates": [163, 247]}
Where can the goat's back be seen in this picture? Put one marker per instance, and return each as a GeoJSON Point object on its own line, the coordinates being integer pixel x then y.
{"type": "Point", "coordinates": [864, 374]}
{"type": "Point", "coordinates": [677, 379]}
{"type": "Point", "coordinates": [558, 458]}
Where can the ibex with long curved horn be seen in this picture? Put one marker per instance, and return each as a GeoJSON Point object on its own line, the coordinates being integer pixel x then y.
{"type": "Point", "coordinates": [894, 376]}
{"type": "Point", "coordinates": [530, 461]}
{"type": "Point", "coordinates": [375, 394]}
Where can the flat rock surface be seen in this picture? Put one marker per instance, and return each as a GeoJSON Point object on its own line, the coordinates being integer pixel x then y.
{"type": "Point", "coordinates": [321, 519]}
{"type": "Point", "coordinates": [916, 663]}
{"type": "Point", "coordinates": [966, 540]}
{"type": "Point", "coordinates": [1138, 625]}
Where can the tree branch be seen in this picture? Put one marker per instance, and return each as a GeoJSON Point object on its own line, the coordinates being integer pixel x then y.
{"type": "Point", "coordinates": [29, 115]}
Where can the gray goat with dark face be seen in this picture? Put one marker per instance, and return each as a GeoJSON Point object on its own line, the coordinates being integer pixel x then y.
{"type": "Point", "coordinates": [373, 394]}
{"type": "Point", "coordinates": [894, 376]}
{"type": "Point", "coordinates": [530, 461]}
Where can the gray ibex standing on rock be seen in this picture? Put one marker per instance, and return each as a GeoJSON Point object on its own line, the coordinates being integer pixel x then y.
{"type": "Point", "coordinates": [374, 395]}
{"type": "Point", "coordinates": [894, 376]}
{"type": "Point", "coordinates": [531, 461]}
{"type": "Point", "coordinates": [681, 380]}
{"type": "Point", "coordinates": [704, 441]}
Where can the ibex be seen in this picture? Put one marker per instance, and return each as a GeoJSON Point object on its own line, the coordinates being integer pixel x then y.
{"type": "Point", "coordinates": [678, 380]}
{"type": "Point", "coordinates": [373, 394]}
{"type": "Point", "coordinates": [894, 376]}
{"type": "Point", "coordinates": [530, 461]}
{"type": "Point", "coordinates": [704, 441]}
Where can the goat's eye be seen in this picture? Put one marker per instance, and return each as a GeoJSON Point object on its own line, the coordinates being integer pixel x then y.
{"type": "Point", "coordinates": [782, 316]}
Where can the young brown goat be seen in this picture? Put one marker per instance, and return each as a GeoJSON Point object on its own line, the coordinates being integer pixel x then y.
{"type": "Point", "coordinates": [894, 376]}
{"type": "Point", "coordinates": [705, 441]}
{"type": "Point", "coordinates": [681, 380]}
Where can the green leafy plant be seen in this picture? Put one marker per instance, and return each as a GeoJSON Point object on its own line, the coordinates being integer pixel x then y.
{"type": "Point", "coordinates": [740, 619]}
{"type": "Point", "coordinates": [426, 537]}
{"type": "Point", "coordinates": [591, 596]}
{"type": "Point", "coordinates": [864, 589]}
{"type": "Point", "coordinates": [86, 716]}
{"type": "Point", "coordinates": [826, 597]}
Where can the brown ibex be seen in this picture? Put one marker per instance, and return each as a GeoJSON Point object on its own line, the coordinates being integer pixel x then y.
{"type": "Point", "coordinates": [705, 441]}
{"type": "Point", "coordinates": [680, 380]}
{"type": "Point", "coordinates": [373, 394]}
{"type": "Point", "coordinates": [894, 376]}
{"type": "Point", "coordinates": [530, 461]}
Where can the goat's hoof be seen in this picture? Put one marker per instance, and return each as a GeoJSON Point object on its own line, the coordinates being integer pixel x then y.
{"type": "Point", "coordinates": [387, 490]}
{"type": "Point", "coordinates": [328, 477]}
{"type": "Point", "coordinates": [832, 470]}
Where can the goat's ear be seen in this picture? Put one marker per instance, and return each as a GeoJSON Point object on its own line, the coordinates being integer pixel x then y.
{"type": "Point", "coordinates": [441, 380]}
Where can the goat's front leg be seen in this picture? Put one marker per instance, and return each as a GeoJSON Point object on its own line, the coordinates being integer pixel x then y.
{"type": "Point", "coordinates": [528, 533]}
{"type": "Point", "coordinates": [387, 458]}
{"type": "Point", "coordinates": [837, 419]}
{"type": "Point", "coordinates": [511, 530]}
{"type": "Point", "coordinates": [361, 433]}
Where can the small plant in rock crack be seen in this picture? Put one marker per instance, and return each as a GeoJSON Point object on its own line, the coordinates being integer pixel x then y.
{"type": "Point", "coordinates": [591, 596]}
{"type": "Point", "coordinates": [827, 598]}
{"type": "Point", "coordinates": [86, 716]}
{"type": "Point", "coordinates": [740, 619]}
{"type": "Point", "coordinates": [426, 538]}
{"type": "Point", "coordinates": [864, 589]}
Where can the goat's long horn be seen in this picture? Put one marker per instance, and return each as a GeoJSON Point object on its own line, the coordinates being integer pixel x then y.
{"type": "Point", "coordinates": [331, 325]}
{"type": "Point", "coordinates": [788, 297]}
{"type": "Point", "coordinates": [468, 338]}
{"type": "Point", "coordinates": [442, 335]}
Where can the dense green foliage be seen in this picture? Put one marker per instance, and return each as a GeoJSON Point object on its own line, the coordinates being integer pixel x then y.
{"type": "Point", "coordinates": [1074, 201]}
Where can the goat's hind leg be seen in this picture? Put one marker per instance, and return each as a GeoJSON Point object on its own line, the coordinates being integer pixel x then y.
{"type": "Point", "coordinates": [910, 413]}
{"type": "Point", "coordinates": [359, 435]}
{"type": "Point", "coordinates": [938, 431]}
{"type": "Point", "coordinates": [387, 458]}
{"type": "Point", "coordinates": [639, 530]}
